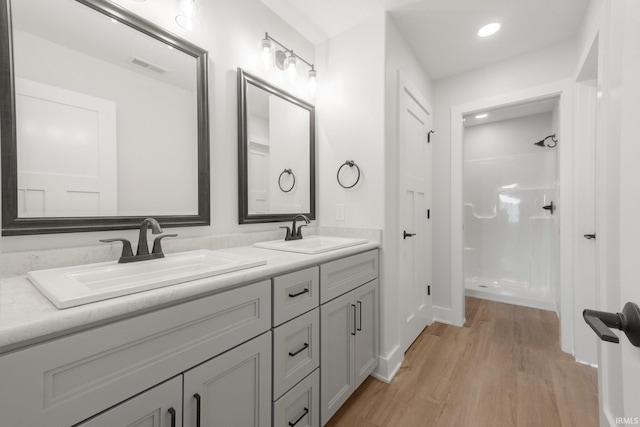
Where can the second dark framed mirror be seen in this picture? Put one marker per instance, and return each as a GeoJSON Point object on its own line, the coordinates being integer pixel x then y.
{"type": "Point", "coordinates": [276, 153]}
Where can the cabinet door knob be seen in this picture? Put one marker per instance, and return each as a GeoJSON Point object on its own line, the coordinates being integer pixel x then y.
{"type": "Point", "coordinates": [590, 236]}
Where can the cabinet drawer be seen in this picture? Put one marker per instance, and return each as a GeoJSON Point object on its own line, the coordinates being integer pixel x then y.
{"type": "Point", "coordinates": [340, 276]}
{"type": "Point", "coordinates": [295, 294]}
{"type": "Point", "coordinates": [62, 382]}
{"type": "Point", "coordinates": [296, 351]}
{"type": "Point", "coordinates": [300, 407]}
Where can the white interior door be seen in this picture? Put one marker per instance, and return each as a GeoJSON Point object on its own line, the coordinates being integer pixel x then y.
{"type": "Point", "coordinates": [415, 195]}
{"type": "Point", "coordinates": [618, 176]}
{"type": "Point", "coordinates": [67, 154]}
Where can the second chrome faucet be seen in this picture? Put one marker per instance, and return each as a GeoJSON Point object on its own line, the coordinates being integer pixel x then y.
{"type": "Point", "coordinates": [142, 253]}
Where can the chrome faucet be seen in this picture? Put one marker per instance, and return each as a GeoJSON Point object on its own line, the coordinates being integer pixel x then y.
{"type": "Point", "coordinates": [142, 253]}
{"type": "Point", "coordinates": [293, 233]}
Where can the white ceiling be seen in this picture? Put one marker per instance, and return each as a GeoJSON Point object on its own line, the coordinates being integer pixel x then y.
{"type": "Point", "coordinates": [442, 33]}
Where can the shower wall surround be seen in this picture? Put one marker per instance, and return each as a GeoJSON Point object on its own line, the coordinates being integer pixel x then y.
{"type": "Point", "coordinates": [510, 240]}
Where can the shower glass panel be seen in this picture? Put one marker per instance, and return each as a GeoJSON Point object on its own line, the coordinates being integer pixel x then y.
{"type": "Point", "coordinates": [510, 240]}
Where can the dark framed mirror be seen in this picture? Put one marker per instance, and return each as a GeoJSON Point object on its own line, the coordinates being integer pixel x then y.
{"type": "Point", "coordinates": [104, 120]}
{"type": "Point", "coordinates": [276, 153]}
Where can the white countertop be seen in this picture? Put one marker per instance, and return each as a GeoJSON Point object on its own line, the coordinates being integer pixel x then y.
{"type": "Point", "coordinates": [27, 317]}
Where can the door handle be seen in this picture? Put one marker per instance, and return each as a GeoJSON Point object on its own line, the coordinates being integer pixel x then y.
{"type": "Point", "coordinates": [198, 408]}
{"type": "Point", "coordinates": [590, 236]}
{"type": "Point", "coordinates": [550, 207]}
{"type": "Point", "coordinates": [405, 234]}
{"type": "Point", "coordinates": [628, 321]}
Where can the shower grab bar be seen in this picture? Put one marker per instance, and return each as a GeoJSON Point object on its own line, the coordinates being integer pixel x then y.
{"type": "Point", "coordinates": [628, 321]}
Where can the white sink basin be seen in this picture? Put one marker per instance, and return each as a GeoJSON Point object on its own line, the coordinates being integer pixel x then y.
{"type": "Point", "coordinates": [311, 245]}
{"type": "Point", "coordinates": [82, 284]}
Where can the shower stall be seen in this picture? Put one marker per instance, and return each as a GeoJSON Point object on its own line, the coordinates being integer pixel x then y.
{"type": "Point", "coordinates": [510, 219]}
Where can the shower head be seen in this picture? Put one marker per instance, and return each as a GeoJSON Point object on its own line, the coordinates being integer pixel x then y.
{"type": "Point", "coordinates": [541, 143]}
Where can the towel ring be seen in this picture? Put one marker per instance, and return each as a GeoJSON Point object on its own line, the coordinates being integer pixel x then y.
{"type": "Point", "coordinates": [287, 171]}
{"type": "Point", "coordinates": [351, 164]}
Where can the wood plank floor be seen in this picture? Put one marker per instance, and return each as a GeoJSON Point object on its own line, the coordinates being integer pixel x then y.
{"type": "Point", "coordinates": [503, 368]}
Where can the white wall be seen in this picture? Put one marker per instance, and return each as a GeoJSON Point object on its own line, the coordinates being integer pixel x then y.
{"type": "Point", "coordinates": [350, 113]}
{"type": "Point", "coordinates": [357, 121]}
{"type": "Point", "coordinates": [231, 31]}
{"type": "Point", "coordinates": [536, 68]}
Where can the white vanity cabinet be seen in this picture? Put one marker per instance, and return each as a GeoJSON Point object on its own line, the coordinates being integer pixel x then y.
{"type": "Point", "coordinates": [70, 379]}
{"type": "Point", "coordinates": [349, 323]}
{"type": "Point", "coordinates": [285, 351]}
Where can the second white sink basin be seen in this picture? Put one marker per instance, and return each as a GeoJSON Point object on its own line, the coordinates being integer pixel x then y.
{"type": "Point", "coordinates": [311, 245]}
{"type": "Point", "coordinates": [72, 286]}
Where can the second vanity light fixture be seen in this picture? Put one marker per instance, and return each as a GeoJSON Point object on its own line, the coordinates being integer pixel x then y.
{"type": "Point", "coordinates": [285, 59]}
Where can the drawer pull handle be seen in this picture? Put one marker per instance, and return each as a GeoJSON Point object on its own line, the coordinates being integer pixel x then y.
{"type": "Point", "coordinates": [302, 292]}
{"type": "Point", "coordinates": [306, 411]}
{"type": "Point", "coordinates": [197, 397]}
{"type": "Point", "coordinates": [173, 417]}
{"type": "Point", "coordinates": [304, 347]}
{"type": "Point", "coordinates": [354, 319]}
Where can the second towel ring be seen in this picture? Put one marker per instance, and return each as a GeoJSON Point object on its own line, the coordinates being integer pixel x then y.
{"type": "Point", "coordinates": [287, 171]}
{"type": "Point", "coordinates": [351, 164]}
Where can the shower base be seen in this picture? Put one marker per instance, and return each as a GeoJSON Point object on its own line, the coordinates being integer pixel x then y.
{"type": "Point", "coordinates": [510, 292]}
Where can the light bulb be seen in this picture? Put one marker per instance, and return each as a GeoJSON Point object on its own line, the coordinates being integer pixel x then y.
{"type": "Point", "coordinates": [186, 17]}
{"type": "Point", "coordinates": [266, 55]}
{"type": "Point", "coordinates": [488, 29]}
{"type": "Point", "coordinates": [313, 84]}
{"type": "Point", "coordinates": [290, 65]}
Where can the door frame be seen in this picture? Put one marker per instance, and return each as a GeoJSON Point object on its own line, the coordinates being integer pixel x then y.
{"type": "Point", "coordinates": [561, 89]}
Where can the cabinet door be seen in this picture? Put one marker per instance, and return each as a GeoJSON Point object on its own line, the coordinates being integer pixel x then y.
{"type": "Point", "coordinates": [337, 378]}
{"type": "Point", "coordinates": [366, 340]}
{"type": "Point", "coordinates": [160, 406]}
{"type": "Point", "coordinates": [233, 389]}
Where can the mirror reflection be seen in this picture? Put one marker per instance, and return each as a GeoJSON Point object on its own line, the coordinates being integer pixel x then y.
{"type": "Point", "coordinates": [101, 108]}
{"type": "Point", "coordinates": [105, 120]}
{"type": "Point", "coordinates": [276, 140]}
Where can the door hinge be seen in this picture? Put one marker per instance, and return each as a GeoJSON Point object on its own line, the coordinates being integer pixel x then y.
{"type": "Point", "coordinates": [428, 289]}
{"type": "Point", "coordinates": [429, 135]}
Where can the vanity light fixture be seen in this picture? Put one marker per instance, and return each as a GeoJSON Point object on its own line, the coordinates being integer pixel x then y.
{"type": "Point", "coordinates": [286, 60]}
{"type": "Point", "coordinates": [489, 29]}
{"type": "Point", "coordinates": [482, 116]}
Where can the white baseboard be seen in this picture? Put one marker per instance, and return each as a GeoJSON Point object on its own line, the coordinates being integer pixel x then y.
{"type": "Point", "coordinates": [445, 315]}
{"type": "Point", "coordinates": [389, 366]}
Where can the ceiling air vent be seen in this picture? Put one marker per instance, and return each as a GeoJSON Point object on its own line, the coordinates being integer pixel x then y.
{"type": "Point", "coordinates": [148, 65]}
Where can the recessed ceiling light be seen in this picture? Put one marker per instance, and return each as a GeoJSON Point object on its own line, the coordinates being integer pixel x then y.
{"type": "Point", "coordinates": [481, 116]}
{"type": "Point", "coordinates": [489, 29]}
